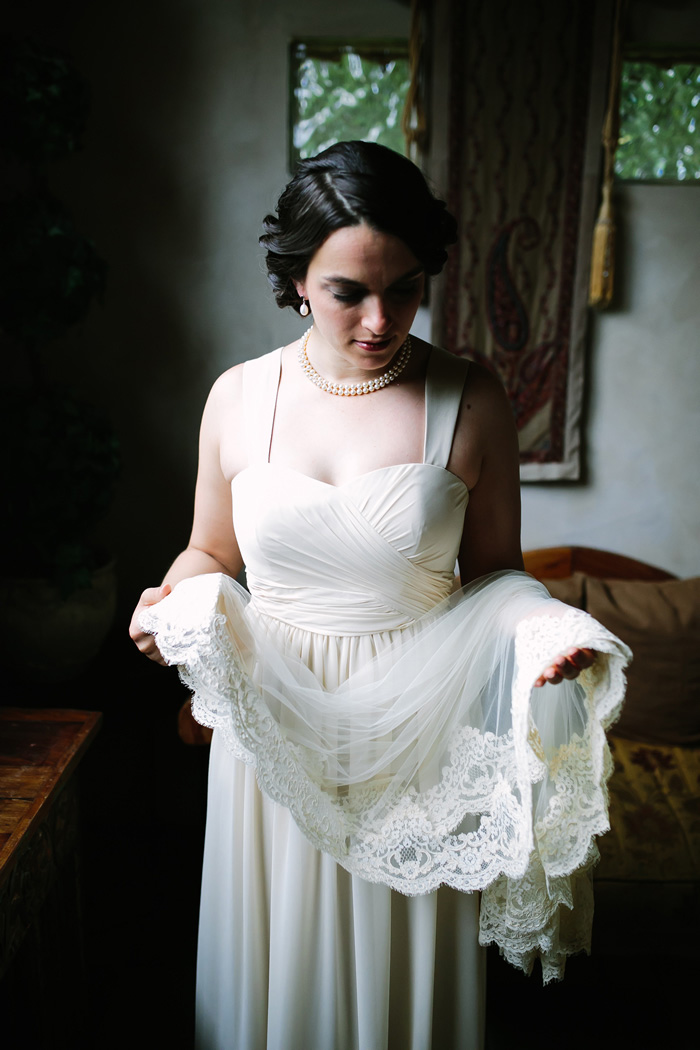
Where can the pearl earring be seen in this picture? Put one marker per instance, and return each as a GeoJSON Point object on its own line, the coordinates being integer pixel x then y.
{"type": "Point", "coordinates": [304, 309]}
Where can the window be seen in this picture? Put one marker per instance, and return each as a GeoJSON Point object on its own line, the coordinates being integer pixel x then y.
{"type": "Point", "coordinates": [345, 91]}
{"type": "Point", "coordinates": [659, 121]}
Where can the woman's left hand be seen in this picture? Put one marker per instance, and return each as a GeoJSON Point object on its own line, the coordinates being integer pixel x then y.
{"type": "Point", "coordinates": [569, 665]}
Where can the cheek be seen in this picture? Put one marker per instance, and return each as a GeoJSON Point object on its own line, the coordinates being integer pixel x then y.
{"type": "Point", "coordinates": [339, 313]}
{"type": "Point", "coordinates": [332, 317]}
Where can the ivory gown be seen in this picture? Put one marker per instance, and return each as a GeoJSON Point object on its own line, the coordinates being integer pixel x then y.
{"type": "Point", "coordinates": [394, 725]}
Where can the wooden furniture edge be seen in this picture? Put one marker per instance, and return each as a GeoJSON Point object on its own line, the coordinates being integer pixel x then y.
{"type": "Point", "coordinates": [555, 563]}
{"type": "Point", "coordinates": [34, 817]}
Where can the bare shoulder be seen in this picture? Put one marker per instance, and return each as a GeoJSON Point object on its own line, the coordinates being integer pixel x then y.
{"type": "Point", "coordinates": [485, 425]}
{"type": "Point", "coordinates": [222, 413]}
{"type": "Point", "coordinates": [227, 392]}
{"type": "Point", "coordinates": [485, 391]}
{"type": "Point", "coordinates": [224, 421]}
{"type": "Point", "coordinates": [229, 386]}
{"type": "Point", "coordinates": [485, 405]}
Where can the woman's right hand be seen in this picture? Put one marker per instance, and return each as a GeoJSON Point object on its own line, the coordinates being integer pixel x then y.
{"type": "Point", "coordinates": [146, 643]}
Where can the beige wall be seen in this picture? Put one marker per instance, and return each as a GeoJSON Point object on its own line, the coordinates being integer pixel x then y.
{"type": "Point", "coordinates": [641, 494]}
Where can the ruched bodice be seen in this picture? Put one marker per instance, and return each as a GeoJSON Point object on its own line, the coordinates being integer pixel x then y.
{"type": "Point", "coordinates": [371, 555]}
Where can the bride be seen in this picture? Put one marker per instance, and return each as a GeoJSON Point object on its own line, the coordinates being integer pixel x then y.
{"type": "Point", "coordinates": [383, 747]}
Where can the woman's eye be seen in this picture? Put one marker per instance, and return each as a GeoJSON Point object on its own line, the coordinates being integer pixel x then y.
{"type": "Point", "coordinates": [400, 292]}
{"type": "Point", "coordinates": [351, 297]}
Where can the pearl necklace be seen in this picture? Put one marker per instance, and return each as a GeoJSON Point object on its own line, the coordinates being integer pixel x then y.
{"type": "Point", "coordinates": [352, 389]}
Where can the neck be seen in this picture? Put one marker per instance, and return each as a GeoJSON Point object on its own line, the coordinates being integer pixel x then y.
{"type": "Point", "coordinates": [337, 368]}
{"type": "Point", "coordinates": [354, 387]}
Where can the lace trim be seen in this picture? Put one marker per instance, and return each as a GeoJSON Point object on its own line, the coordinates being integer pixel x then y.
{"type": "Point", "coordinates": [409, 846]}
{"type": "Point", "coordinates": [539, 918]}
{"type": "Point", "coordinates": [537, 808]}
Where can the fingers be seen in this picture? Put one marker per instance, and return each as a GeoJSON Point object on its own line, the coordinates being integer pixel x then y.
{"type": "Point", "coordinates": [581, 658]}
{"type": "Point", "coordinates": [567, 666]}
{"type": "Point", "coordinates": [143, 641]}
{"type": "Point", "coordinates": [147, 645]}
{"type": "Point", "coordinates": [153, 595]}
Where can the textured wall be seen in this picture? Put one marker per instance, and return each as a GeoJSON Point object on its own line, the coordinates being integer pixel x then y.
{"type": "Point", "coordinates": [641, 495]}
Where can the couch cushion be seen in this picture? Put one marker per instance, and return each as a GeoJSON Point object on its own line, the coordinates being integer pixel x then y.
{"type": "Point", "coordinates": [569, 589]}
{"type": "Point", "coordinates": [661, 624]}
{"type": "Point", "coordinates": [654, 814]}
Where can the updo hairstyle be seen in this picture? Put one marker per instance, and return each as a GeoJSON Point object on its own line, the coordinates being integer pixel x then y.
{"type": "Point", "coordinates": [348, 184]}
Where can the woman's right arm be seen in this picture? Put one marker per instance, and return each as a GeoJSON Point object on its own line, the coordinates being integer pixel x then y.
{"type": "Point", "coordinates": [212, 546]}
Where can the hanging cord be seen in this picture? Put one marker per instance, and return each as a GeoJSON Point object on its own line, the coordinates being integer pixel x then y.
{"type": "Point", "coordinates": [413, 122]}
{"type": "Point", "coordinates": [600, 289]}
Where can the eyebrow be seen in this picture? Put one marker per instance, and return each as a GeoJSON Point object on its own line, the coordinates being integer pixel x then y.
{"type": "Point", "coordinates": [410, 276]}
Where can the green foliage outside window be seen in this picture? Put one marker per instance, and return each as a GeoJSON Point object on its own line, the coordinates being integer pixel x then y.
{"type": "Point", "coordinates": [659, 118]}
{"type": "Point", "coordinates": [345, 91]}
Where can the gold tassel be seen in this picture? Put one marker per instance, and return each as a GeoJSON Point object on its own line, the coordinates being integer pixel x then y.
{"type": "Point", "coordinates": [603, 256]}
{"type": "Point", "coordinates": [413, 122]}
{"type": "Point", "coordinates": [601, 284]}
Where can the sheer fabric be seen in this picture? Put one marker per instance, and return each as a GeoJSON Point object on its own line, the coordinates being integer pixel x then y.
{"type": "Point", "coordinates": [390, 722]}
{"type": "Point", "coordinates": [430, 725]}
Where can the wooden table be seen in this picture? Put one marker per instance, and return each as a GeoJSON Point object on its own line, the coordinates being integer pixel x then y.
{"type": "Point", "coordinates": [40, 925]}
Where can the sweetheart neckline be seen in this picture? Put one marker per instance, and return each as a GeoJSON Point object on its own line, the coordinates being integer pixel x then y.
{"type": "Point", "coordinates": [350, 481]}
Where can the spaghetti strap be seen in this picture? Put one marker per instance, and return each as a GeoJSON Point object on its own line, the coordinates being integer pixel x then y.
{"type": "Point", "coordinates": [261, 378]}
{"type": "Point", "coordinates": [444, 383]}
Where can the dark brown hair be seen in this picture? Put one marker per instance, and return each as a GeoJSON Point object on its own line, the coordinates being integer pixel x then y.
{"type": "Point", "coordinates": [348, 184]}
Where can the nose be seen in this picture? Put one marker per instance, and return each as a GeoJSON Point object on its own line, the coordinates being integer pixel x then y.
{"type": "Point", "coordinates": [377, 316]}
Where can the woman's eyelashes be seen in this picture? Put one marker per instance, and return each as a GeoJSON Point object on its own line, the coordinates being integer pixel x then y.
{"type": "Point", "coordinates": [399, 292]}
{"type": "Point", "coordinates": [348, 297]}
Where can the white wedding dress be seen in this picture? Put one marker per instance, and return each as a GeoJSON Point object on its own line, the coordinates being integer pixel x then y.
{"type": "Point", "coordinates": [379, 755]}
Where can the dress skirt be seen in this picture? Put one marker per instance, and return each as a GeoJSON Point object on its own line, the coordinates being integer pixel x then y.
{"type": "Point", "coordinates": [295, 953]}
{"type": "Point", "coordinates": [322, 959]}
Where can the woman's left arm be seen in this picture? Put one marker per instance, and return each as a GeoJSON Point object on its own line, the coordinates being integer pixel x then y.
{"type": "Point", "coordinates": [485, 455]}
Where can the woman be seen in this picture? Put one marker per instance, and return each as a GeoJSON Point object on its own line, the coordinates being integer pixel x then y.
{"type": "Point", "coordinates": [388, 715]}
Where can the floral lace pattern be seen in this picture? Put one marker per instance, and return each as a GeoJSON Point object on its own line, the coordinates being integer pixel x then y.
{"type": "Point", "coordinates": [513, 814]}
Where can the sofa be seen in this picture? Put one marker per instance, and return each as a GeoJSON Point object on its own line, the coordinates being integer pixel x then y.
{"type": "Point", "coordinates": [648, 878]}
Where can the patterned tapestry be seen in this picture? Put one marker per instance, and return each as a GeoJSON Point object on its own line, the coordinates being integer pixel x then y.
{"type": "Point", "coordinates": [523, 185]}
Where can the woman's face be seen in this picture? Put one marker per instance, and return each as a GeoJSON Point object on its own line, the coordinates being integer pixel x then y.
{"type": "Point", "coordinates": [364, 288]}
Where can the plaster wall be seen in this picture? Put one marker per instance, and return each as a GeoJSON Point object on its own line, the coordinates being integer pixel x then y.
{"type": "Point", "coordinates": [641, 490]}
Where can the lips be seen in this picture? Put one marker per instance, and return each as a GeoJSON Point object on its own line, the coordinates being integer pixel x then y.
{"type": "Point", "coordinates": [374, 347]}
